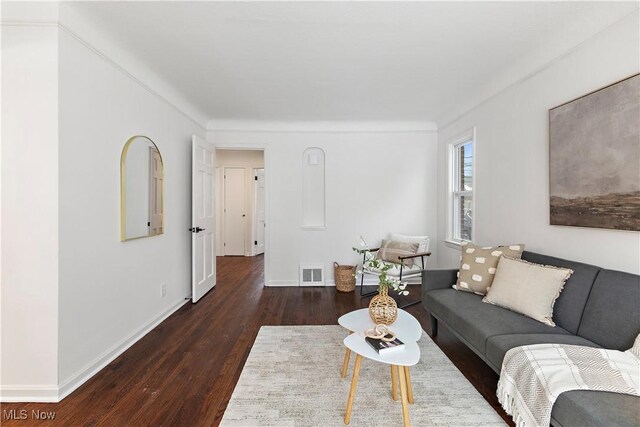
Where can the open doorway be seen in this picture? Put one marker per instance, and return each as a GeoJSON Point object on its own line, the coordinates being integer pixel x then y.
{"type": "Point", "coordinates": [240, 204]}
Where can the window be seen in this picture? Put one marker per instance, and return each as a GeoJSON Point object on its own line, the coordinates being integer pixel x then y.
{"type": "Point", "coordinates": [461, 188]}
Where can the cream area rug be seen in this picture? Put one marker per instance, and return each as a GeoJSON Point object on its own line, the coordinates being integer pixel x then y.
{"type": "Point", "coordinates": [292, 378]}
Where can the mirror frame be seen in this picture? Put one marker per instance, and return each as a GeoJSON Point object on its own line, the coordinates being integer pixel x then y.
{"type": "Point", "coordinates": [123, 189]}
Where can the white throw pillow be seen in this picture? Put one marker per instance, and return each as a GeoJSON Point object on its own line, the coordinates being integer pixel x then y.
{"type": "Point", "coordinates": [422, 241]}
{"type": "Point", "coordinates": [527, 288]}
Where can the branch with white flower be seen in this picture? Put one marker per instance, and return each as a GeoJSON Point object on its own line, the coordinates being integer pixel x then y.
{"type": "Point", "coordinates": [385, 281]}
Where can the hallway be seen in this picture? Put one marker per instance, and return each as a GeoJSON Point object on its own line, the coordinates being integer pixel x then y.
{"type": "Point", "coordinates": [184, 371]}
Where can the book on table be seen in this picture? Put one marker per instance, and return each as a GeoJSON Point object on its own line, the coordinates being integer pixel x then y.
{"type": "Point", "coordinates": [385, 347]}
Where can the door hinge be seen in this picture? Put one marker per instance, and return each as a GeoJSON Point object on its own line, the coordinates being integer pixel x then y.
{"type": "Point", "coordinates": [255, 242]}
{"type": "Point", "coordinates": [255, 178]}
{"type": "Point", "coordinates": [224, 244]}
{"type": "Point", "coordinates": [149, 224]}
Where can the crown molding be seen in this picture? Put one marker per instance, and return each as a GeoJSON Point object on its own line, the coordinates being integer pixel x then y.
{"type": "Point", "coordinates": [523, 71]}
{"type": "Point", "coordinates": [190, 113]}
{"type": "Point", "coordinates": [196, 118]}
{"type": "Point", "coordinates": [320, 126]}
{"type": "Point", "coordinates": [32, 12]}
{"type": "Point", "coordinates": [29, 24]}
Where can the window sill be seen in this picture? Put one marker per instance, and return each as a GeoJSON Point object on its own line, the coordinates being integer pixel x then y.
{"type": "Point", "coordinates": [453, 244]}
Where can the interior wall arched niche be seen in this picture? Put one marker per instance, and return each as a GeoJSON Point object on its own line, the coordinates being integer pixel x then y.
{"type": "Point", "coordinates": [313, 189]}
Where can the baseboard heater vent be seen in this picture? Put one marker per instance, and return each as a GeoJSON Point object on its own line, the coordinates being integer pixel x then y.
{"type": "Point", "coordinates": [311, 275]}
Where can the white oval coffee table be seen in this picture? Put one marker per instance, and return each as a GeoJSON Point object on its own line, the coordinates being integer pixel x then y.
{"type": "Point", "coordinates": [406, 326]}
{"type": "Point", "coordinates": [407, 329]}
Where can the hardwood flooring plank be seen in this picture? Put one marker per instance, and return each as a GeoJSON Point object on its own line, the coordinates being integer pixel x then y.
{"type": "Point", "coordinates": [184, 371]}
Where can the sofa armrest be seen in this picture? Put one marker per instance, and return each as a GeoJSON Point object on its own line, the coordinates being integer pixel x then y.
{"type": "Point", "coordinates": [438, 279]}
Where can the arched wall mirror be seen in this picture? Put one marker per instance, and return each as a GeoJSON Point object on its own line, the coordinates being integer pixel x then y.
{"type": "Point", "coordinates": [141, 189]}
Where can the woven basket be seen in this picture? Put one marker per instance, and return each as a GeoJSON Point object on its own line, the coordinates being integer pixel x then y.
{"type": "Point", "coordinates": [345, 277]}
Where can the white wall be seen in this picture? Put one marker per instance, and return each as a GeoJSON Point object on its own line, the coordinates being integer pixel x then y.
{"type": "Point", "coordinates": [110, 291]}
{"type": "Point", "coordinates": [512, 184]}
{"type": "Point", "coordinates": [376, 182]}
{"type": "Point", "coordinates": [249, 160]}
{"type": "Point", "coordinates": [29, 291]}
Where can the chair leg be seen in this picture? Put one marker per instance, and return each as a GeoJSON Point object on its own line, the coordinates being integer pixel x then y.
{"type": "Point", "coordinates": [413, 302]}
{"type": "Point", "coordinates": [362, 294]}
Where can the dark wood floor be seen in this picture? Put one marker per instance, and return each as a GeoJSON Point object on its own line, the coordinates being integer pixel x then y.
{"type": "Point", "coordinates": [183, 372]}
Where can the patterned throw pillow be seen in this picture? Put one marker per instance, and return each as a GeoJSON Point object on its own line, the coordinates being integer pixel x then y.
{"type": "Point", "coordinates": [478, 265]}
{"type": "Point", "coordinates": [390, 251]}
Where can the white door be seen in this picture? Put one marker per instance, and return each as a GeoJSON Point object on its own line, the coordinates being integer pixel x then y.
{"type": "Point", "coordinates": [234, 211]}
{"type": "Point", "coordinates": [258, 211]}
{"type": "Point", "coordinates": [219, 213]}
{"type": "Point", "coordinates": [203, 224]}
{"type": "Point", "coordinates": [155, 192]}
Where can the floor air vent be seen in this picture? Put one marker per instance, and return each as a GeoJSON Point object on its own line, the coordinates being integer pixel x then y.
{"type": "Point", "coordinates": [311, 275]}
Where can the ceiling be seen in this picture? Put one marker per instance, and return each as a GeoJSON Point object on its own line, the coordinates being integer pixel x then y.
{"type": "Point", "coordinates": [343, 61]}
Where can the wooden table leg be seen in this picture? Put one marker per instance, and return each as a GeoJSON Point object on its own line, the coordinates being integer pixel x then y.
{"type": "Point", "coordinates": [403, 392]}
{"type": "Point", "coordinates": [345, 364]}
{"type": "Point", "coordinates": [354, 386]}
{"type": "Point", "coordinates": [394, 382]}
{"type": "Point", "coordinates": [407, 375]}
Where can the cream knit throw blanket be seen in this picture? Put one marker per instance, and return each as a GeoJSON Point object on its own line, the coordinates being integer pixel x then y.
{"type": "Point", "coordinates": [533, 377]}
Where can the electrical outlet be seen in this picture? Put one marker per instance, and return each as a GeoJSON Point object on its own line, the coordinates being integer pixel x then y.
{"type": "Point", "coordinates": [163, 291]}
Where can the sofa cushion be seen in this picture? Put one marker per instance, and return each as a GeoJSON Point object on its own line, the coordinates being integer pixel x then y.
{"type": "Point", "coordinates": [476, 321]}
{"type": "Point", "coordinates": [596, 408]}
{"type": "Point", "coordinates": [498, 345]}
{"type": "Point", "coordinates": [568, 308]}
{"type": "Point", "coordinates": [611, 314]}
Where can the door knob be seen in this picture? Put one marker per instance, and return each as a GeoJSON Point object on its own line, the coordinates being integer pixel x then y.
{"type": "Point", "coordinates": [196, 230]}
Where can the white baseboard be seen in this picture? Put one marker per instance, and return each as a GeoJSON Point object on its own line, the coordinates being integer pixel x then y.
{"type": "Point", "coordinates": [282, 283]}
{"type": "Point", "coordinates": [295, 283]}
{"type": "Point", "coordinates": [29, 393]}
{"type": "Point", "coordinates": [367, 282]}
{"type": "Point", "coordinates": [108, 356]}
{"type": "Point", "coordinates": [327, 283]}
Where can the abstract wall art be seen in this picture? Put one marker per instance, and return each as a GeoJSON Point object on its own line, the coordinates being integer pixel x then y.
{"type": "Point", "coordinates": [594, 158]}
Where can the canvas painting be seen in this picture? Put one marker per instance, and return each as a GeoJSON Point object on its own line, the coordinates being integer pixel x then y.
{"type": "Point", "coordinates": [594, 158]}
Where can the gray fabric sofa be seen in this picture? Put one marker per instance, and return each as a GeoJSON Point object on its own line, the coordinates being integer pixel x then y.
{"type": "Point", "coordinates": [597, 308]}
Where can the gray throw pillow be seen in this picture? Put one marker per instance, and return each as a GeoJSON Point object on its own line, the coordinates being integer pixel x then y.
{"type": "Point", "coordinates": [390, 251]}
